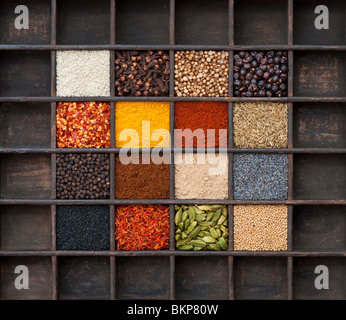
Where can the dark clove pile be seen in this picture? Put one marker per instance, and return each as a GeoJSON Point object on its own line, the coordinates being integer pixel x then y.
{"type": "Point", "coordinates": [142, 73]}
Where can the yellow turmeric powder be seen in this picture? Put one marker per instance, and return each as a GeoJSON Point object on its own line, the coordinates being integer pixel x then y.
{"type": "Point", "coordinates": [142, 124]}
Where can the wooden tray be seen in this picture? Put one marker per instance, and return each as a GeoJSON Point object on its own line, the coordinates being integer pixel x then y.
{"type": "Point", "coordinates": [317, 149]}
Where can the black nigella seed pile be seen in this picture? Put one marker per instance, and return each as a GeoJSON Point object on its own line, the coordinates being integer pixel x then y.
{"type": "Point", "coordinates": [83, 228]}
{"type": "Point", "coordinates": [260, 74]}
{"type": "Point", "coordinates": [82, 176]}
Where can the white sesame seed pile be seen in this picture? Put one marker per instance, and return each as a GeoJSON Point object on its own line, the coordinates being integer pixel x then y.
{"type": "Point", "coordinates": [83, 73]}
{"type": "Point", "coordinates": [260, 228]}
{"type": "Point", "coordinates": [195, 180]}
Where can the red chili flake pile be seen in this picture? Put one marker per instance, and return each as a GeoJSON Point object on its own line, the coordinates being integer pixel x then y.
{"type": "Point", "coordinates": [142, 227]}
{"type": "Point", "coordinates": [83, 125]}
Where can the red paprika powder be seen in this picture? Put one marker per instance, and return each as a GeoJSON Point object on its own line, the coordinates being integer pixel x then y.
{"type": "Point", "coordinates": [201, 115]}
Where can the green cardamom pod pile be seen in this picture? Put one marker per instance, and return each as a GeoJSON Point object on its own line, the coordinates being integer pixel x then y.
{"type": "Point", "coordinates": [202, 227]}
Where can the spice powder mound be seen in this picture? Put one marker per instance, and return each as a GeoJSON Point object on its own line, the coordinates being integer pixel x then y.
{"type": "Point", "coordinates": [142, 227]}
{"type": "Point", "coordinates": [83, 125]}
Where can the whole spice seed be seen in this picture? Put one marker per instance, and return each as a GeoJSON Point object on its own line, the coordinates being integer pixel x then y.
{"type": "Point", "coordinates": [83, 125]}
{"type": "Point", "coordinates": [260, 176]}
{"type": "Point", "coordinates": [142, 227]}
{"type": "Point", "coordinates": [193, 180]}
{"type": "Point", "coordinates": [82, 228]}
{"type": "Point", "coordinates": [260, 125]}
{"type": "Point", "coordinates": [142, 73]}
{"type": "Point", "coordinates": [141, 181]}
{"type": "Point", "coordinates": [201, 227]}
{"type": "Point", "coordinates": [260, 228]}
{"type": "Point", "coordinates": [260, 74]}
{"type": "Point", "coordinates": [82, 73]}
{"type": "Point", "coordinates": [201, 73]}
{"type": "Point", "coordinates": [205, 116]}
{"type": "Point", "coordinates": [82, 176]}
{"type": "Point", "coordinates": [130, 115]}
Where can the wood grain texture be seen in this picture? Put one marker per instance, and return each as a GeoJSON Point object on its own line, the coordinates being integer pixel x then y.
{"type": "Point", "coordinates": [304, 23]}
{"type": "Point", "coordinates": [39, 278]}
{"type": "Point", "coordinates": [25, 125]}
{"type": "Point", "coordinates": [263, 24]}
{"type": "Point", "coordinates": [25, 228]}
{"type": "Point", "coordinates": [25, 176]}
{"type": "Point", "coordinates": [319, 74]}
{"type": "Point", "coordinates": [201, 278]}
{"type": "Point", "coordinates": [142, 22]}
{"type": "Point", "coordinates": [319, 125]}
{"type": "Point", "coordinates": [39, 22]}
{"type": "Point", "coordinates": [260, 278]}
{"type": "Point", "coordinates": [143, 278]}
{"type": "Point", "coordinates": [201, 22]}
{"type": "Point", "coordinates": [319, 176]}
{"type": "Point", "coordinates": [84, 278]}
{"type": "Point", "coordinates": [25, 73]}
{"type": "Point", "coordinates": [83, 22]}
{"type": "Point", "coordinates": [304, 278]}
{"type": "Point", "coordinates": [319, 228]}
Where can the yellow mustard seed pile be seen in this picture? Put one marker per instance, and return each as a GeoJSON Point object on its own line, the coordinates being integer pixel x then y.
{"type": "Point", "coordinates": [260, 228]}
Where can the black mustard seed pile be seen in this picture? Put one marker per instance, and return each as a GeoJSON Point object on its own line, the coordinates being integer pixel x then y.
{"type": "Point", "coordinates": [83, 228]}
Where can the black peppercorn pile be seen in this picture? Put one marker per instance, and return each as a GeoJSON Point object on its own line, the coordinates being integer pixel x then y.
{"type": "Point", "coordinates": [260, 74]}
{"type": "Point", "coordinates": [82, 228]}
{"type": "Point", "coordinates": [82, 176]}
{"type": "Point", "coordinates": [142, 73]}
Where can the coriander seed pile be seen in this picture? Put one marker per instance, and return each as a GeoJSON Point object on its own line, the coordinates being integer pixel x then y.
{"type": "Point", "coordinates": [201, 73]}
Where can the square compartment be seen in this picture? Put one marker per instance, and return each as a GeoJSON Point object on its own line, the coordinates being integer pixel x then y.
{"type": "Point", "coordinates": [201, 115]}
{"type": "Point", "coordinates": [83, 228]}
{"type": "Point", "coordinates": [304, 277]}
{"type": "Point", "coordinates": [25, 125]}
{"type": "Point", "coordinates": [319, 176]}
{"type": "Point", "coordinates": [260, 278]}
{"type": "Point", "coordinates": [83, 22]}
{"type": "Point", "coordinates": [142, 181]}
{"type": "Point", "coordinates": [319, 228]}
{"type": "Point", "coordinates": [201, 278]}
{"type": "Point", "coordinates": [201, 22]}
{"type": "Point", "coordinates": [25, 228]}
{"type": "Point", "coordinates": [25, 176]}
{"type": "Point", "coordinates": [319, 125]}
{"type": "Point", "coordinates": [201, 176]}
{"type": "Point", "coordinates": [319, 74]}
{"type": "Point", "coordinates": [39, 22]}
{"type": "Point", "coordinates": [143, 278]}
{"type": "Point", "coordinates": [142, 22]}
{"type": "Point", "coordinates": [304, 30]}
{"type": "Point", "coordinates": [84, 278]}
{"type": "Point", "coordinates": [263, 24]}
{"type": "Point", "coordinates": [25, 73]}
{"type": "Point", "coordinates": [40, 278]}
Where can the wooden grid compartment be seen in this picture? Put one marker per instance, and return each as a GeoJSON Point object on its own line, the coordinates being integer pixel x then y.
{"type": "Point", "coordinates": [142, 22]}
{"type": "Point", "coordinates": [84, 278]}
{"type": "Point", "coordinates": [319, 228]}
{"type": "Point", "coordinates": [19, 228]}
{"type": "Point", "coordinates": [25, 125]}
{"type": "Point", "coordinates": [260, 278]}
{"type": "Point", "coordinates": [271, 16]}
{"type": "Point", "coordinates": [40, 275]}
{"type": "Point", "coordinates": [319, 74]}
{"type": "Point", "coordinates": [83, 22]}
{"type": "Point", "coordinates": [304, 23]}
{"type": "Point", "coordinates": [304, 278]}
{"type": "Point", "coordinates": [143, 278]}
{"type": "Point", "coordinates": [316, 101]}
{"type": "Point", "coordinates": [25, 176]}
{"type": "Point", "coordinates": [319, 125]}
{"type": "Point", "coordinates": [39, 19]}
